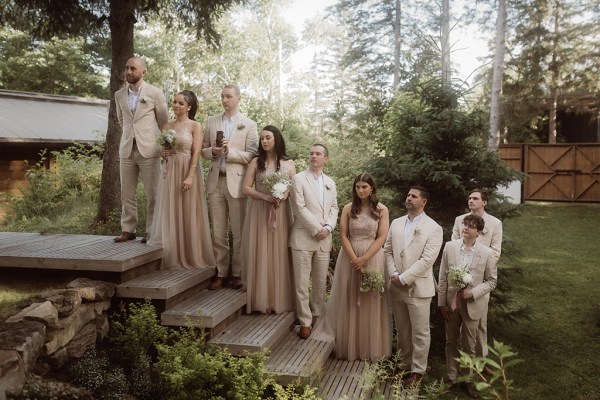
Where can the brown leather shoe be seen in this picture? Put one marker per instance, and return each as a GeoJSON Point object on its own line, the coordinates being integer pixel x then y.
{"type": "Point", "coordinates": [470, 390]}
{"type": "Point", "coordinates": [236, 283]}
{"type": "Point", "coordinates": [217, 283]}
{"type": "Point", "coordinates": [413, 379]}
{"type": "Point", "coordinates": [304, 332]}
{"type": "Point", "coordinates": [125, 236]}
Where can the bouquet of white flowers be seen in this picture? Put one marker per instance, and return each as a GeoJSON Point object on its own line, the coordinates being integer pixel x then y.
{"type": "Point", "coordinates": [277, 183]}
{"type": "Point", "coordinates": [167, 139]}
{"type": "Point", "coordinates": [372, 280]}
{"type": "Point", "coordinates": [460, 276]}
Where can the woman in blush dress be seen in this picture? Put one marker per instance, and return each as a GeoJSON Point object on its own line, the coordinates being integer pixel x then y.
{"type": "Point", "coordinates": [181, 225]}
{"type": "Point", "coordinates": [356, 313]}
{"type": "Point", "coordinates": [268, 220]}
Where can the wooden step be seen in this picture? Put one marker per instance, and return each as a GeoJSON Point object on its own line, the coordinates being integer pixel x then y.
{"type": "Point", "coordinates": [342, 378]}
{"type": "Point", "coordinates": [206, 309]}
{"type": "Point", "coordinates": [171, 287]}
{"type": "Point", "coordinates": [254, 332]}
{"type": "Point", "coordinates": [297, 359]}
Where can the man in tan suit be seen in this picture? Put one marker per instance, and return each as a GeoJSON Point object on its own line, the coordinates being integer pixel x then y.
{"type": "Point", "coordinates": [491, 237]}
{"type": "Point", "coordinates": [314, 201]}
{"type": "Point", "coordinates": [411, 248]}
{"type": "Point", "coordinates": [464, 304]}
{"type": "Point", "coordinates": [142, 112]}
{"type": "Point", "coordinates": [229, 160]}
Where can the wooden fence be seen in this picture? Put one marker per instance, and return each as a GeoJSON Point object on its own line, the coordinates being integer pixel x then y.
{"type": "Point", "coordinates": [556, 172]}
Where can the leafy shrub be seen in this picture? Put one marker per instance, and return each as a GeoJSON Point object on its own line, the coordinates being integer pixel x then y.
{"type": "Point", "coordinates": [194, 370]}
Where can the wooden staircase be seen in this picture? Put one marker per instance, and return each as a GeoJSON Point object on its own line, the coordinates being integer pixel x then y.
{"type": "Point", "coordinates": [182, 298]}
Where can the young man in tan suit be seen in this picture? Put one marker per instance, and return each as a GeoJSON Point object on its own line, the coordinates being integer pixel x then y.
{"type": "Point", "coordinates": [412, 246]}
{"type": "Point", "coordinates": [142, 112]}
{"type": "Point", "coordinates": [463, 313]}
{"type": "Point", "coordinates": [491, 237]}
{"type": "Point", "coordinates": [314, 201]}
{"type": "Point", "coordinates": [229, 160]}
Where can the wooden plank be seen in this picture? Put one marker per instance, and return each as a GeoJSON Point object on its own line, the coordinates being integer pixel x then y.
{"type": "Point", "coordinates": [251, 333]}
{"type": "Point", "coordinates": [297, 359]}
{"type": "Point", "coordinates": [206, 309]}
{"type": "Point", "coordinates": [163, 284]}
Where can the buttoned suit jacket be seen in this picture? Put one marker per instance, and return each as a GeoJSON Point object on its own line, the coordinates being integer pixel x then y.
{"type": "Point", "coordinates": [309, 216]}
{"type": "Point", "coordinates": [490, 237]}
{"type": "Point", "coordinates": [242, 148]}
{"type": "Point", "coordinates": [484, 273]}
{"type": "Point", "coordinates": [144, 126]}
{"type": "Point", "coordinates": [414, 259]}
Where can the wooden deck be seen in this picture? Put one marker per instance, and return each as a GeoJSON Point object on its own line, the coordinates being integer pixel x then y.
{"type": "Point", "coordinates": [74, 252]}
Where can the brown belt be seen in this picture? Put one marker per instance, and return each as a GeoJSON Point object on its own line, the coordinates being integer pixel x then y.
{"type": "Point", "coordinates": [221, 173]}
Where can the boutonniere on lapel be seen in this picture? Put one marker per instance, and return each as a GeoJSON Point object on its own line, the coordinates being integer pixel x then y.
{"type": "Point", "coordinates": [143, 100]}
{"type": "Point", "coordinates": [327, 187]}
{"type": "Point", "coordinates": [416, 231]}
{"type": "Point", "coordinates": [240, 126]}
{"type": "Point", "coordinates": [484, 231]}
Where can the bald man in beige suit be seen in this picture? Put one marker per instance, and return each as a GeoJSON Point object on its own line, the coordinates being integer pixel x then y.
{"type": "Point", "coordinates": [412, 246]}
{"type": "Point", "coordinates": [142, 112]}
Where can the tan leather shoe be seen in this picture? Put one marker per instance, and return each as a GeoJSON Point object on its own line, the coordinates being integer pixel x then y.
{"type": "Point", "coordinates": [217, 283]}
{"type": "Point", "coordinates": [304, 332]}
{"type": "Point", "coordinates": [236, 283]}
{"type": "Point", "coordinates": [125, 236]}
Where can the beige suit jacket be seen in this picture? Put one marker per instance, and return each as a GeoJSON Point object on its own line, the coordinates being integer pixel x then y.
{"type": "Point", "coordinates": [309, 216]}
{"type": "Point", "coordinates": [144, 126]}
{"type": "Point", "coordinates": [414, 259]}
{"type": "Point", "coordinates": [243, 147]}
{"type": "Point", "coordinates": [490, 237]}
{"type": "Point", "coordinates": [483, 270]}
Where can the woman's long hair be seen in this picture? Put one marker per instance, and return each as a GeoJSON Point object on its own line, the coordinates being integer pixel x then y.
{"type": "Point", "coordinates": [373, 200]}
{"type": "Point", "coordinates": [192, 100]}
{"type": "Point", "coordinates": [279, 149]}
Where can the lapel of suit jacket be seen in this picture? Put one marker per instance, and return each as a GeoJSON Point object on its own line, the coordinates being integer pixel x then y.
{"type": "Point", "coordinates": [125, 100]}
{"type": "Point", "coordinates": [456, 255]}
{"type": "Point", "coordinates": [401, 227]}
{"type": "Point", "coordinates": [141, 101]}
{"type": "Point", "coordinates": [416, 231]}
{"type": "Point", "coordinates": [313, 184]}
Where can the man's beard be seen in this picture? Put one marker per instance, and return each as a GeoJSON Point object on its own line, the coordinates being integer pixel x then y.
{"type": "Point", "coordinates": [133, 80]}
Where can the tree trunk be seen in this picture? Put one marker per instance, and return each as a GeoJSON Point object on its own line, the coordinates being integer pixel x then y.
{"type": "Point", "coordinates": [554, 76]}
{"type": "Point", "coordinates": [497, 76]}
{"type": "Point", "coordinates": [397, 45]}
{"type": "Point", "coordinates": [445, 39]}
{"type": "Point", "coordinates": [122, 20]}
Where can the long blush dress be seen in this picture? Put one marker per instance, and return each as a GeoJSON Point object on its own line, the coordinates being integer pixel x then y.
{"type": "Point", "coordinates": [357, 320]}
{"type": "Point", "coordinates": [181, 224]}
{"type": "Point", "coordinates": [265, 252]}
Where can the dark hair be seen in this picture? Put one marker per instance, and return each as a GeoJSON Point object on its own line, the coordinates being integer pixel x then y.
{"type": "Point", "coordinates": [484, 194]}
{"type": "Point", "coordinates": [424, 192]}
{"type": "Point", "coordinates": [474, 221]}
{"type": "Point", "coordinates": [373, 200]}
{"type": "Point", "coordinates": [324, 148]}
{"type": "Point", "coordinates": [279, 149]}
{"type": "Point", "coordinates": [192, 100]}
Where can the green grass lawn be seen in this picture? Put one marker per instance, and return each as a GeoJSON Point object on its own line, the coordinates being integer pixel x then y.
{"type": "Point", "coordinates": [559, 248]}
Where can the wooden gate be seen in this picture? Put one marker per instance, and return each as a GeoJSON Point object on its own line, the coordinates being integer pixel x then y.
{"type": "Point", "coordinates": [561, 172]}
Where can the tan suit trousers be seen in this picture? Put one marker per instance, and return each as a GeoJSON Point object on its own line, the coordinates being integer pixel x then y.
{"type": "Point", "coordinates": [131, 169]}
{"type": "Point", "coordinates": [226, 210]}
{"type": "Point", "coordinates": [461, 333]}
{"type": "Point", "coordinates": [411, 316]}
{"type": "Point", "coordinates": [310, 265]}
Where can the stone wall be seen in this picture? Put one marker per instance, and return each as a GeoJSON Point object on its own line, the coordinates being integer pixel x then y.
{"type": "Point", "coordinates": [54, 328]}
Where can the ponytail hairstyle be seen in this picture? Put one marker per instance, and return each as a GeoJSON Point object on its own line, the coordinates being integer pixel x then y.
{"type": "Point", "coordinates": [192, 100]}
